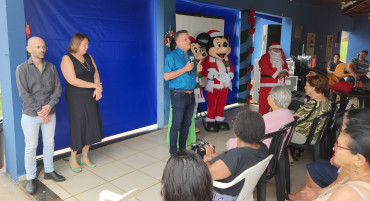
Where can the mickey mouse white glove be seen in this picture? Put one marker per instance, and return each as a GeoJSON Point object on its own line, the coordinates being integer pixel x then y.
{"type": "Point", "coordinates": [212, 73]}
{"type": "Point", "coordinates": [231, 75]}
{"type": "Point", "coordinates": [225, 78]}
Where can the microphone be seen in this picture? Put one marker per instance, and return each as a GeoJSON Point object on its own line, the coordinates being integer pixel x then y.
{"type": "Point", "coordinates": [191, 60]}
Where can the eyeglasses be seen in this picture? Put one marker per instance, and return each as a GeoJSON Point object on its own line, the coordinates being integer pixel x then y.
{"type": "Point", "coordinates": [336, 146]}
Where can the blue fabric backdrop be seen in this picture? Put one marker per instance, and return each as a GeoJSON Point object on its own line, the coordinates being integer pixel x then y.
{"type": "Point", "coordinates": [123, 45]}
{"type": "Point", "coordinates": [232, 27]}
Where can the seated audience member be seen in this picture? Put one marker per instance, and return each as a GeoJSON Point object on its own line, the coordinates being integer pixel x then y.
{"type": "Point", "coordinates": [360, 63]}
{"type": "Point", "coordinates": [318, 105]}
{"type": "Point", "coordinates": [318, 70]}
{"type": "Point", "coordinates": [352, 154]}
{"type": "Point", "coordinates": [333, 64]}
{"type": "Point", "coordinates": [279, 99]}
{"type": "Point", "coordinates": [249, 130]}
{"type": "Point", "coordinates": [186, 177]}
{"type": "Point", "coordinates": [323, 174]}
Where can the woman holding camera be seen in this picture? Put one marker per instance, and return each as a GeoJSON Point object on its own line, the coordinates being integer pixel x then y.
{"type": "Point", "coordinates": [249, 129]}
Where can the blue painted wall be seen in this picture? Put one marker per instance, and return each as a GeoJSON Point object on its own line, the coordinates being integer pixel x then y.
{"type": "Point", "coordinates": [286, 35]}
{"type": "Point", "coordinates": [123, 47]}
{"type": "Point", "coordinates": [359, 38]}
{"type": "Point", "coordinates": [322, 20]}
{"type": "Point", "coordinates": [12, 53]}
{"type": "Point", "coordinates": [165, 19]}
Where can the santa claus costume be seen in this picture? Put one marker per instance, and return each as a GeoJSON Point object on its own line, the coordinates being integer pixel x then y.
{"type": "Point", "coordinates": [273, 71]}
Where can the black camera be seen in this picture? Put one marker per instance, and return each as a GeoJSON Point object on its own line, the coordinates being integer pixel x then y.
{"type": "Point", "coordinates": [198, 147]}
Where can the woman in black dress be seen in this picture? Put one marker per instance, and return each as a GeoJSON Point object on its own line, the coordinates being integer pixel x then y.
{"type": "Point", "coordinates": [82, 91]}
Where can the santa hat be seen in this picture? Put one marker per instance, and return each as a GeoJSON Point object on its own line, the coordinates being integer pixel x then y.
{"type": "Point", "coordinates": [215, 33]}
{"type": "Point", "coordinates": [192, 39]}
{"type": "Point", "coordinates": [274, 45]}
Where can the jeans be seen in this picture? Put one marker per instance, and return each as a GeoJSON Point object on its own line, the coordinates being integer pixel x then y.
{"type": "Point", "coordinates": [31, 127]}
{"type": "Point", "coordinates": [182, 114]}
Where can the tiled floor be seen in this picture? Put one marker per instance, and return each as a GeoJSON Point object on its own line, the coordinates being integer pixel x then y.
{"type": "Point", "coordinates": [9, 190]}
{"type": "Point", "coordinates": [139, 163]}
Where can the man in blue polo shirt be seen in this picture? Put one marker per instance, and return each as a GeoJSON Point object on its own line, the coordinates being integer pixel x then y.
{"type": "Point", "coordinates": [180, 72]}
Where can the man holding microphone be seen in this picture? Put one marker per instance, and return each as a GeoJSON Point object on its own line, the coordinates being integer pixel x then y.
{"type": "Point", "coordinates": [181, 71]}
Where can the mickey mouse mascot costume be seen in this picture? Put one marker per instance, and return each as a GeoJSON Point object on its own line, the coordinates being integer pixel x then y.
{"type": "Point", "coordinates": [219, 71]}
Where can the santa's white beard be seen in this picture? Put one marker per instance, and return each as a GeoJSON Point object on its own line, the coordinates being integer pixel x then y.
{"type": "Point", "coordinates": [276, 59]}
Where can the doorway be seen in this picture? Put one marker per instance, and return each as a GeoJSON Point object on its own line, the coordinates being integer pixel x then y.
{"type": "Point", "coordinates": [344, 46]}
{"type": "Point", "coordinates": [268, 29]}
{"type": "Point", "coordinates": [273, 34]}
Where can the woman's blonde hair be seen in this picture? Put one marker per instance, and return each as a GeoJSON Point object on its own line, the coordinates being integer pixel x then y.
{"type": "Point", "coordinates": [76, 41]}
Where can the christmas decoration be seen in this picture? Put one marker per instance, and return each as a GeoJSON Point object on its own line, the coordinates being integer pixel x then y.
{"type": "Point", "coordinates": [169, 37]}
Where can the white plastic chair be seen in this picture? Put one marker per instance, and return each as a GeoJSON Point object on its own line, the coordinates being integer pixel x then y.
{"type": "Point", "coordinates": [251, 176]}
{"type": "Point", "coordinates": [109, 195]}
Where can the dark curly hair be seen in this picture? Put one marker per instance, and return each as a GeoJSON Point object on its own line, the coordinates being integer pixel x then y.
{"type": "Point", "coordinates": [358, 129]}
{"type": "Point", "coordinates": [249, 126]}
{"type": "Point", "coordinates": [186, 177]}
{"type": "Point", "coordinates": [319, 82]}
{"type": "Point", "coordinates": [344, 116]}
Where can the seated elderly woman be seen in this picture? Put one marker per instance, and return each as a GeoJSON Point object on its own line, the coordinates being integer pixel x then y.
{"type": "Point", "coordinates": [279, 99]}
{"type": "Point", "coordinates": [323, 174]}
{"type": "Point", "coordinates": [186, 177]}
{"type": "Point", "coordinates": [315, 87]}
{"type": "Point", "coordinates": [249, 129]}
{"type": "Point", "coordinates": [352, 153]}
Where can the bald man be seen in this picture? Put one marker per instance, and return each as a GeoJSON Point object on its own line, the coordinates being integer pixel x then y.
{"type": "Point", "coordinates": [39, 88]}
